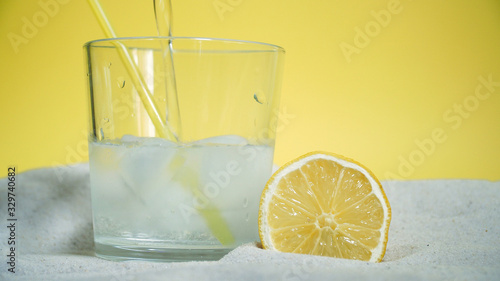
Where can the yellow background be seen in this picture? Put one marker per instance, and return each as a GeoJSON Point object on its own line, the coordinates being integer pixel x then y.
{"type": "Point", "coordinates": [402, 102]}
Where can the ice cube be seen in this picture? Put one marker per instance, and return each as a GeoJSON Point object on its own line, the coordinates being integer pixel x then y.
{"type": "Point", "coordinates": [146, 163]}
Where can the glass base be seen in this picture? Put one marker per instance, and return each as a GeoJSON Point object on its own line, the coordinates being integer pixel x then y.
{"type": "Point", "coordinates": [123, 253]}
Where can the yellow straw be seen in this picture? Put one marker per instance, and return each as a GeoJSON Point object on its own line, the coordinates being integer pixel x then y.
{"type": "Point", "coordinates": [136, 76]}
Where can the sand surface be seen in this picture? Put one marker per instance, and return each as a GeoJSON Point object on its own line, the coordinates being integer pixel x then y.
{"type": "Point", "coordinates": [440, 230]}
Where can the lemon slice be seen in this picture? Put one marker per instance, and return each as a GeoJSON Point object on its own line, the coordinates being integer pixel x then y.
{"type": "Point", "coordinates": [325, 204]}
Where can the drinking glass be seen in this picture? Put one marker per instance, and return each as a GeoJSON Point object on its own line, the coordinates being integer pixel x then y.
{"type": "Point", "coordinates": [181, 143]}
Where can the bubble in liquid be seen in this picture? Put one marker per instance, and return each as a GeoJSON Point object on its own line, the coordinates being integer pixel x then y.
{"type": "Point", "coordinates": [247, 217]}
{"type": "Point", "coordinates": [245, 202]}
{"type": "Point", "coordinates": [260, 97]}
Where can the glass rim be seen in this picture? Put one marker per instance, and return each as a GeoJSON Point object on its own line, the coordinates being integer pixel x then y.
{"type": "Point", "coordinates": [145, 38]}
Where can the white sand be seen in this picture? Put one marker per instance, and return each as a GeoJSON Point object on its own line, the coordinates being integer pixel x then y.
{"type": "Point", "coordinates": [441, 229]}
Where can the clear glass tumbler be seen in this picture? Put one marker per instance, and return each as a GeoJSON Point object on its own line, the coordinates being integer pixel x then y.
{"type": "Point", "coordinates": [181, 144]}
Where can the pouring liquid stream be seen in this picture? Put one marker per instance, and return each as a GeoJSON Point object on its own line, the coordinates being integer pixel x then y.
{"type": "Point", "coordinates": [163, 17]}
{"type": "Point", "coordinates": [186, 176]}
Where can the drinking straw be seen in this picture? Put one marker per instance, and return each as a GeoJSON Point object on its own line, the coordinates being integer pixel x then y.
{"type": "Point", "coordinates": [136, 76]}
